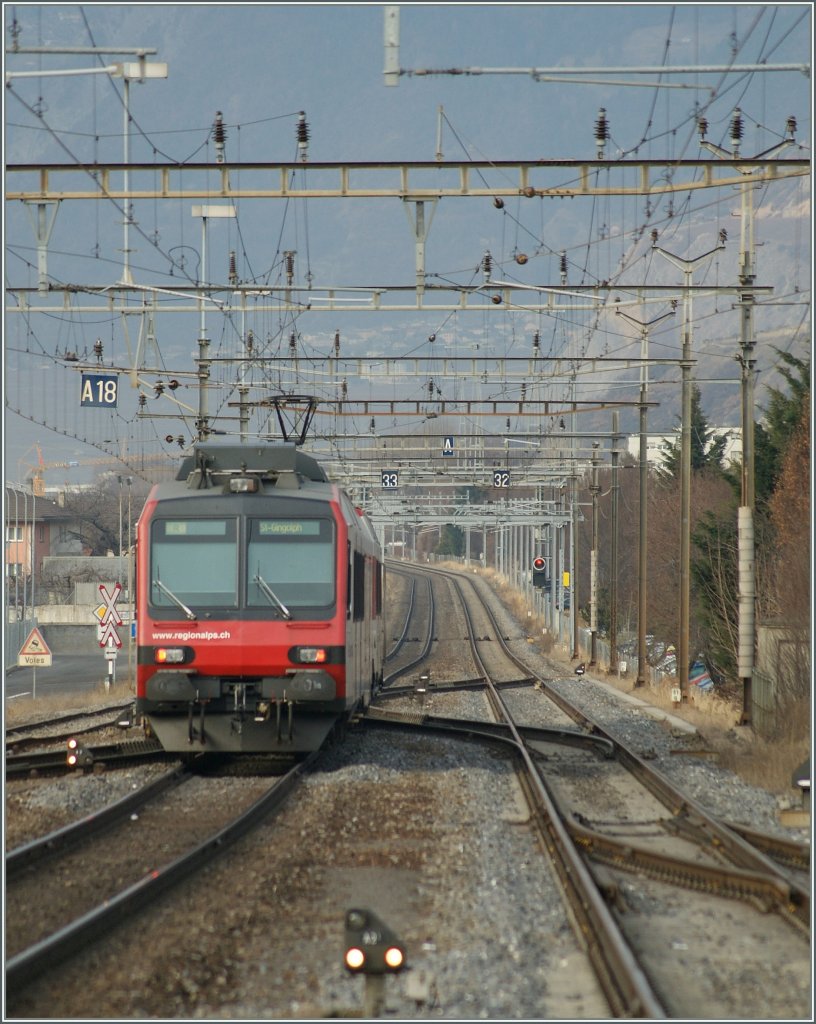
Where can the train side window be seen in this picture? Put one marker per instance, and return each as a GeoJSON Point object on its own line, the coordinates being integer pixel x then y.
{"type": "Point", "coordinates": [378, 588]}
{"type": "Point", "coordinates": [358, 600]}
{"type": "Point", "coordinates": [349, 582]}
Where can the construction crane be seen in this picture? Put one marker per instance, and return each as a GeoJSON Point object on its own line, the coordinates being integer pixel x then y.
{"type": "Point", "coordinates": [37, 473]}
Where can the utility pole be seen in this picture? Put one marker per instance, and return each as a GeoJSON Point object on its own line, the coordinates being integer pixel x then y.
{"type": "Point", "coordinates": [644, 327]}
{"type": "Point", "coordinates": [680, 693]}
{"type": "Point", "coordinates": [593, 566]}
{"type": "Point", "coordinates": [205, 212]}
{"type": "Point", "coordinates": [747, 577]}
{"type": "Point", "coordinates": [613, 580]}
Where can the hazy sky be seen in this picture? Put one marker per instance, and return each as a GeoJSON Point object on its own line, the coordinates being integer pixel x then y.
{"type": "Point", "coordinates": [261, 64]}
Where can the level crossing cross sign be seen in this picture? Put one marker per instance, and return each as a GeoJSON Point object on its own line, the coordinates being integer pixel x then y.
{"type": "Point", "coordinates": [108, 616]}
{"type": "Point", "coordinates": [35, 651]}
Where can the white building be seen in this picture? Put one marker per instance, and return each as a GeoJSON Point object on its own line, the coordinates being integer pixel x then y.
{"type": "Point", "coordinates": [659, 445]}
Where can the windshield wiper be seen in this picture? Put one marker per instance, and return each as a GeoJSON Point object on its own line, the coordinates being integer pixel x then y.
{"type": "Point", "coordinates": [180, 604]}
{"type": "Point", "coordinates": [272, 596]}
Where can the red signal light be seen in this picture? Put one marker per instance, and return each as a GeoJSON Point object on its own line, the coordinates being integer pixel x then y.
{"type": "Point", "coordinates": [538, 563]}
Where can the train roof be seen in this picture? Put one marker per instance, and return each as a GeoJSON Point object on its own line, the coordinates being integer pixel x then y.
{"type": "Point", "coordinates": [283, 465]}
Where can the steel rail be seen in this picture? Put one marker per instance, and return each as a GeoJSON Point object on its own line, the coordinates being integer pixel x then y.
{"type": "Point", "coordinates": [427, 643]}
{"type": "Point", "coordinates": [721, 838]}
{"type": "Point", "coordinates": [20, 731]}
{"type": "Point", "coordinates": [401, 638]}
{"type": "Point", "coordinates": [93, 824]}
{"type": "Point", "coordinates": [624, 983]}
{"type": "Point", "coordinates": [31, 963]}
{"type": "Point", "coordinates": [55, 760]}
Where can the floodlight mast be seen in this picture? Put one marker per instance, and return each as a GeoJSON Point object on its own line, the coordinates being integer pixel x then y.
{"type": "Point", "coordinates": [128, 71]}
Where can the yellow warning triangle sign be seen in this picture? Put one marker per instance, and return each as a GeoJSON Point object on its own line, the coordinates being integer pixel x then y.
{"type": "Point", "coordinates": [35, 644]}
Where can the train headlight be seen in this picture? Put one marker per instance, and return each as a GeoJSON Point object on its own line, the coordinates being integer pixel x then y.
{"type": "Point", "coordinates": [311, 655]}
{"type": "Point", "coordinates": [243, 485]}
{"type": "Point", "coordinates": [170, 655]}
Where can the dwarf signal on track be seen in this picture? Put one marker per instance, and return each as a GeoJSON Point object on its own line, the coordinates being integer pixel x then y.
{"type": "Point", "coordinates": [371, 946]}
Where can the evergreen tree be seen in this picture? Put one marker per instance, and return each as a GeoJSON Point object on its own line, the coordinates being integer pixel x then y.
{"type": "Point", "coordinates": [451, 541]}
{"type": "Point", "coordinates": [707, 449]}
{"type": "Point", "coordinates": [714, 559]}
{"type": "Point", "coordinates": [782, 418]}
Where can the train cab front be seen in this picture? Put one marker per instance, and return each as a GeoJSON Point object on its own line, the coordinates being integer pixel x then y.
{"type": "Point", "coordinates": [188, 711]}
{"type": "Point", "coordinates": [240, 615]}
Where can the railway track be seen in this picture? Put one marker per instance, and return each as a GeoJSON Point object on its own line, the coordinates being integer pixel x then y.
{"type": "Point", "coordinates": [381, 824]}
{"type": "Point", "coordinates": [36, 943]}
{"type": "Point", "coordinates": [59, 728]}
{"type": "Point", "coordinates": [55, 761]}
{"type": "Point", "coordinates": [409, 652]}
{"type": "Point", "coordinates": [675, 843]}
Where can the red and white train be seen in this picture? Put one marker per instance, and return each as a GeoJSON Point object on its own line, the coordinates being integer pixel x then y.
{"type": "Point", "coordinates": [259, 604]}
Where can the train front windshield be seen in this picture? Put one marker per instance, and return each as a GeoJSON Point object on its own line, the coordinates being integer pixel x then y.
{"type": "Point", "coordinates": [195, 562]}
{"type": "Point", "coordinates": [291, 560]}
{"type": "Point", "coordinates": [288, 565]}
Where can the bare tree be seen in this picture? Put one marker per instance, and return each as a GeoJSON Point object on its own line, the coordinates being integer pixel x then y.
{"type": "Point", "coordinates": [101, 512]}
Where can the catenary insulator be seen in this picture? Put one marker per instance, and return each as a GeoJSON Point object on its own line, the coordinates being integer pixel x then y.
{"type": "Point", "coordinates": [337, 343]}
{"type": "Point", "coordinates": [601, 131]}
{"type": "Point", "coordinates": [250, 340]}
{"type": "Point", "coordinates": [702, 127]}
{"type": "Point", "coordinates": [536, 343]}
{"type": "Point", "coordinates": [736, 128]}
{"type": "Point", "coordinates": [487, 264]}
{"type": "Point", "coordinates": [233, 268]}
{"type": "Point", "coordinates": [292, 342]}
{"type": "Point", "coordinates": [142, 400]}
{"type": "Point", "coordinates": [302, 135]}
{"type": "Point", "coordinates": [219, 137]}
{"type": "Point", "coordinates": [344, 388]}
{"type": "Point", "coordinates": [790, 127]}
{"type": "Point", "coordinates": [563, 267]}
{"type": "Point", "coordinates": [654, 236]}
{"type": "Point", "coordinates": [98, 349]}
{"type": "Point", "coordinates": [290, 266]}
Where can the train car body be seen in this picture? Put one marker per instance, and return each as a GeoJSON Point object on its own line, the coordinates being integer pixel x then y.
{"type": "Point", "coordinates": [258, 604]}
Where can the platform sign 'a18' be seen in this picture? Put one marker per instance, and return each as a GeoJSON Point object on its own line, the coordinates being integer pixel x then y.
{"type": "Point", "coordinates": [99, 390]}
